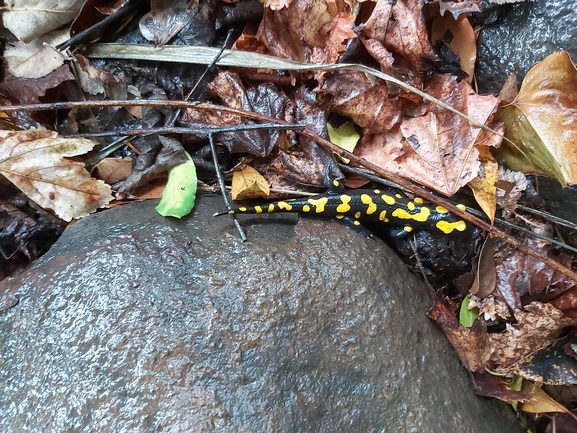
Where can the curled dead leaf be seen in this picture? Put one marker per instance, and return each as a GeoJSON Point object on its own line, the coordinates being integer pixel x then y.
{"type": "Point", "coordinates": [248, 184]}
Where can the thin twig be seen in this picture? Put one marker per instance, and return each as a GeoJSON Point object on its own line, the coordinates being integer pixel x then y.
{"type": "Point", "coordinates": [223, 186]}
{"type": "Point", "coordinates": [179, 130]}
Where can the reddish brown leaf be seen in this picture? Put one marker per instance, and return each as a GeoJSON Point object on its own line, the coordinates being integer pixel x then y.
{"type": "Point", "coordinates": [436, 149]}
{"type": "Point", "coordinates": [469, 343]}
{"type": "Point", "coordinates": [488, 385]}
{"type": "Point", "coordinates": [366, 104]}
{"type": "Point", "coordinates": [518, 274]}
{"type": "Point", "coordinates": [310, 31]}
{"type": "Point", "coordinates": [407, 34]}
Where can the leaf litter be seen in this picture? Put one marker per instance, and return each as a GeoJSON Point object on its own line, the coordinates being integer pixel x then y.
{"type": "Point", "coordinates": [430, 47]}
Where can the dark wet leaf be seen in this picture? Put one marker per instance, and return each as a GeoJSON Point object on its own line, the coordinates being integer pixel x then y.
{"type": "Point", "coordinates": [22, 91]}
{"type": "Point", "coordinates": [166, 18]}
{"type": "Point", "coordinates": [518, 274]}
{"type": "Point", "coordinates": [94, 11]}
{"type": "Point", "coordinates": [488, 385]}
{"type": "Point", "coordinates": [158, 159]}
{"type": "Point", "coordinates": [550, 366]}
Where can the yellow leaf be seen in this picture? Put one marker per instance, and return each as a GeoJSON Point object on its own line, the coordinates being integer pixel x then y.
{"type": "Point", "coordinates": [248, 184]}
{"type": "Point", "coordinates": [540, 402]}
{"type": "Point", "coordinates": [34, 161]}
{"type": "Point", "coordinates": [545, 126]}
{"type": "Point", "coordinates": [483, 185]}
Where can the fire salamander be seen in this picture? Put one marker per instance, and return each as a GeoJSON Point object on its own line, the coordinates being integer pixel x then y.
{"type": "Point", "coordinates": [364, 206]}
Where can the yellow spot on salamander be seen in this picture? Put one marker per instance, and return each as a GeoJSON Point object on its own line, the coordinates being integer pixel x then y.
{"type": "Point", "coordinates": [258, 209]}
{"type": "Point", "coordinates": [388, 199]}
{"type": "Point", "coordinates": [336, 183]}
{"type": "Point", "coordinates": [398, 195]}
{"type": "Point", "coordinates": [242, 209]}
{"type": "Point", "coordinates": [377, 191]}
{"type": "Point", "coordinates": [408, 229]}
{"type": "Point", "coordinates": [283, 205]}
{"type": "Point", "coordinates": [383, 216]}
{"type": "Point", "coordinates": [319, 203]}
{"type": "Point", "coordinates": [372, 207]}
{"type": "Point", "coordinates": [418, 200]}
{"type": "Point", "coordinates": [340, 217]}
{"type": "Point", "coordinates": [231, 212]}
{"type": "Point", "coordinates": [422, 216]}
{"type": "Point", "coordinates": [344, 206]}
{"type": "Point", "coordinates": [411, 206]}
{"type": "Point", "coordinates": [306, 208]}
{"type": "Point", "coordinates": [441, 209]}
{"type": "Point", "coordinates": [447, 227]}
{"type": "Point", "coordinates": [462, 207]}
{"type": "Point", "coordinates": [358, 215]}
{"type": "Point", "coordinates": [270, 208]}
{"type": "Point", "coordinates": [355, 222]}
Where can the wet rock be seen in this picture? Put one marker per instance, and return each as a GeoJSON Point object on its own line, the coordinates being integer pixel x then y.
{"type": "Point", "coordinates": [133, 322]}
{"type": "Point", "coordinates": [523, 35]}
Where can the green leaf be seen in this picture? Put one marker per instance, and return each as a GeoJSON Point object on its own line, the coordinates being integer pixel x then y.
{"type": "Point", "coordinates": [466, 316]}
{"type": "Point", "coordinates": [180, 192]}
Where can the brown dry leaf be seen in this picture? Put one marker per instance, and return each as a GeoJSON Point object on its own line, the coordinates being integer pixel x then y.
{"type": "Point", "coordinates": [354, 96]}
{"type": "Point", "coordinates": [566, 301]}
{"type": "Point", "coordinates": [538, 326]}
{"type": "Point", "coordinates": [34, 161]}
{"type": "Point", "coordinates": [407, 34]}
{"type": "Point", "coordinates": [469, 343]}
{"type": "Point", "coordinates": [483, 186]}
{"type": "Point", "coordinates": [310, 31]}
{"type": "Point", "coordinates": [542, 120]}
{"type": "Point", "coordinates": [248, 184]}
{"type": "Point", "coordinates": [540, 402]}
{"type": "Point", "coordinates": [436, 149]}
{"type": "Point", "coordinates": [459, 36]}
{"type": "Point", "coordinates": [510, 90]}
{"type": "Point", "coordinates": [486, 276]}
{"type": "Point", "coordinates": [112, 170]}
{"type": "Point", "coordinates": [396, 36]}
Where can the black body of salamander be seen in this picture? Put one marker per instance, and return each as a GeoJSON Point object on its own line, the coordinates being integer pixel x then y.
{"type": "Point", "coordinates": [367, 206]}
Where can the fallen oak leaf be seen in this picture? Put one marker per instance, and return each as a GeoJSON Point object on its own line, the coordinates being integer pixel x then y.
{"type": "Point", "coordinates": [34, 162]}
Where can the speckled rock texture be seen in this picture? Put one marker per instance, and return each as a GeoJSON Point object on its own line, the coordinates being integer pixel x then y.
{"type": "Point", "coordinates": [523, 35]}
{"type": "Point", "coordinates": [136, 323]}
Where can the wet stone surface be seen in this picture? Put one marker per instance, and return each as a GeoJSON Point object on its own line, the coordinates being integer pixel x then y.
{"type": "Point", "coordinates": [133, 322]}
{"type": "Point", "coordinates": [523, 35]}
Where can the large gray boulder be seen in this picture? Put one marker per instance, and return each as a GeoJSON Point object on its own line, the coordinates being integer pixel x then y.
{"type": "Point", "coordinates": [137, 323]}
{"type": "Point", "coordinates": [523, 35]}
